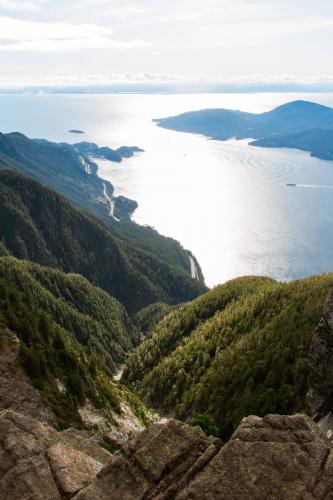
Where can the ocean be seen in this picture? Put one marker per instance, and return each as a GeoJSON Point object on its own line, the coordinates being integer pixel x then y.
{"type": "Point", "coordinates": [225, 201]}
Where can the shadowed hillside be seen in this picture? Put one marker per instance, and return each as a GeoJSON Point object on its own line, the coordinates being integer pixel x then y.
{"type": "Point", "coordinates": [69, 170]}
{"type": "Point", "coordinates": [39, 225]}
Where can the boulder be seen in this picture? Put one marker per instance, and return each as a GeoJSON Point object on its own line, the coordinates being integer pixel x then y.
{"type": "Point", "coordinates": [29, 478]}
{"type": "Point", "coordinates": [38, 462]}
{"type": "Point", "coordinates": [24, 470]}
{"type": "Point", "coordinates": [82, 441]}
{"type": "Point", "coordinates": [156, 464]}
{"type": "Point", "coordinates": [72, 469]}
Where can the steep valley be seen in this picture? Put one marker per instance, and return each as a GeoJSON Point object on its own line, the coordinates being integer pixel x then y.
{"type": "Point", "coordinates": [123, 377]}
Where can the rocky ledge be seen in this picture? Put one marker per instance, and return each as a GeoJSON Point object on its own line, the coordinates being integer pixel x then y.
{"type": "Point", "coordinates": [278, 457]}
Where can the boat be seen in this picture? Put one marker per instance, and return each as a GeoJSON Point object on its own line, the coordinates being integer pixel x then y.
{"type": "Point", "coordinates": [291, 184]}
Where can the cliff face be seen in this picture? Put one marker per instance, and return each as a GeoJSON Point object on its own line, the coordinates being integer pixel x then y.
{"type": "Point", "coordinates": [320, 360]}
{"type": "Point", "coordinates": [16, 389]}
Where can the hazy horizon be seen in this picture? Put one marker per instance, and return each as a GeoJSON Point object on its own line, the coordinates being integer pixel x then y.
{"type": "Point", "coordinates": [150, 45]}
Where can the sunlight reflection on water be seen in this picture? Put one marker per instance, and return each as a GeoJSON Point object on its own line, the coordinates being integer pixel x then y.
{"type": "Point", "coordinates": [226, 201]}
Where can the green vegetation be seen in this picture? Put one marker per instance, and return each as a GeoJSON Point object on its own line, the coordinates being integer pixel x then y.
{"type": "Point", "coordinates": [108, 445]}
{"type": "Point", "coordinates": [55, 165]}
{"type": "Point", "coordinates": [49, 353]}
{"type": "Point", "coordinates": [207, 424]}
{"type": "Point", "coordinates": [239, 349]}
{"type": "Point", "coordinates": [150, 315]}
{"type": "Point", "coordinates": [39, 225]}
{"type": "Point", "coordinates": [63, 168]}
{"type": "Point", "coordinates": [70, 332]}
{"type": "Point", "coordinates": [91, 316]}
{"type": "Point", "coordinates": [148, 239]}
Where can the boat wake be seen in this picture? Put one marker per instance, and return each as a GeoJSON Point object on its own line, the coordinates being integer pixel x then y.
{"type": "Point", "coordinates": [320, 186]}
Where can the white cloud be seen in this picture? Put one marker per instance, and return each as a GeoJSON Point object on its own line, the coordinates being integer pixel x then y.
{"type": "Point", "coordinates": [21, 5]}
{"type": "Point", "coordinates": [216, 35]}
{"type": "Point", "coordinates": [192, 37]}
{"type": "Point", "coordinates": [102, 79]}
{"type": "Point", "coordinates": [22, 35]}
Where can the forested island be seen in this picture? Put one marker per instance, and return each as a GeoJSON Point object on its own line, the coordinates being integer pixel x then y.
{"type": "Point", "coordinates": [299, 125]}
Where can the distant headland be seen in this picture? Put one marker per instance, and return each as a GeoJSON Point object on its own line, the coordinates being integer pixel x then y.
{"type": "Point", "coordinates": [299, 125]}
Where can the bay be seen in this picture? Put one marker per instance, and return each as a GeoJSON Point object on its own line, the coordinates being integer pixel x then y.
{"type": "Point", "coordinates": [226, 201]}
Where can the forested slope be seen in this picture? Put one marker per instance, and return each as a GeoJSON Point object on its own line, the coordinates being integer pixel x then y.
{"type": "Point", "coordinates": [68, 171]}
{"type": "Point", "coordinates": [240, 349]}
{"type": "Point", "coordinates": [38, 224]}
{"type": "Point", "coordinates": [94, 318]}
{"type": "Point", "coordinates": [69, 336]}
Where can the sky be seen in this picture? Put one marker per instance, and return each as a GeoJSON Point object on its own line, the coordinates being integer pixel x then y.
{"type": "Point", "coordinates": [96, 42]}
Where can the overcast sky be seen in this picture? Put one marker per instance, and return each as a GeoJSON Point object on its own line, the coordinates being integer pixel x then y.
{"type": "Point", "coordinates": [58, 42]}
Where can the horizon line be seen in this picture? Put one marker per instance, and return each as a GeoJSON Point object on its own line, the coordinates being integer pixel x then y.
{"type": "Point", "coordinates": [169, 88]}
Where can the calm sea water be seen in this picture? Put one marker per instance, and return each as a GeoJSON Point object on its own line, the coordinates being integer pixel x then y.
{"type": "Point", "coordinates": [226, 201]}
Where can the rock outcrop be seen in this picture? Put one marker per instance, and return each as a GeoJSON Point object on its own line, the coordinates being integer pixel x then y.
{"type": "Point", "coordinates": [38, 462]}
{"type": "Point", "coordinates": [117, 428]}
{"type": "Point", "coordinates": [157, 464]}
{"type": "Point", "coordinates": [280, 457]}
{"type": "Point", "coordinates": [16, 389]}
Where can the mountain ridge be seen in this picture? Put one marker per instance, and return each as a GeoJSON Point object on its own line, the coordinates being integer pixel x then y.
{"type": "Point", "coordinates": [62, 168]}
{"type": "Point", "coordinates": [224, 124]}
{"type": "Point", "coordinates": [40, 225]}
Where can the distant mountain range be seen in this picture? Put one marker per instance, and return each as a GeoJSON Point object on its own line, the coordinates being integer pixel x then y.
{"type": "Point", "coordinates": [299, 124]}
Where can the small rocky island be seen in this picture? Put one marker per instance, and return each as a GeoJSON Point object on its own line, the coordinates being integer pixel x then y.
{"type": "Point", "coordinates": [92, 150]}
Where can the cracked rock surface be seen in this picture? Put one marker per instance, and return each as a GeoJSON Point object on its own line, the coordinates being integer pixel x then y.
{"type": "Point", "coordinates": [280, 457]}
{"type": "Point", "coordinates": [38, 462]}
